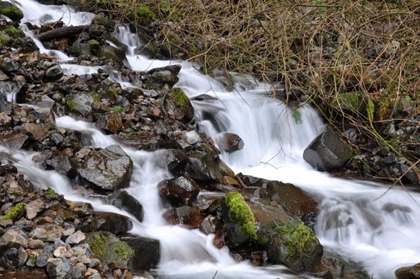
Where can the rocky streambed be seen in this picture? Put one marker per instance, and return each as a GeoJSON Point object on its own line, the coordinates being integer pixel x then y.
{"type": "Point", "coordinates": [46, 236]}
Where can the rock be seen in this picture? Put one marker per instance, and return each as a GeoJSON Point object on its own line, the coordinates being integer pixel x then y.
{"type": "Point", "coordinates": [15, 235]}
{"type": "Point", "coordinates": [109, 168]}
{"type": "Point", "coordinates": [179, 191]}
{"type": "Point", "coordinates": [41, 259]}
{"type": "Point", "coordinates": [191, 137]}
{"type": "Point", "coordinates": [146, 252]}
{"type": "Point", "coordinates": [8, 64]}
{"type": "Point", "coordinates": [80, 103]}
{"type": "Point", "coordinates": [294, 200]}
{"type": "Point", "coordinates": [54, 72]}
{"type": "Point", "coordinates": [33, 208]}
{"type": "Point", "coordinates": [229, 142]}
{"type": "Point", "coordinates": [166, 75]}
{"type": "Point", "coordinates": [48, 232]}
{"type": "Point", "coordinates": [109, 249]}
{"type": "Point", "coordinates": [185, 215]}
{"type": "Point", "coordinates": [408, 272]}
{"type": "Point", "coordinates": [11, 11]}
{"type": "Point", "coordinates": [112, 53]}
{"type": "Point", "coordinates": [265, 211]}
{"type": "Point", "coordinates": [238, 219]}
{"type": "Point", "coordinates": [207, 167]}
{"type": "Point", "coordinates": [13, 257]}
{"type": "Point", "coordinates": [63, 165]}
{"type": "Point", "coordinates": [178, 105]}
{"type": "Point", "coordinates": [56, 268]}
{"type": "Point", "coordinates": [327, 152]}
{"type": "Point", "coordinates": [109, 122]}
{"type": "Point", "coordinates": [295, 245]}
{"type": "Point", "coordinates": [109, 222]}
{"type": "Point", "coordinates": [76, 238]}
{"type": "Point", "coordinates": [127, 202]}
{"type": "Point", "coordinates": [176, 160]}
{"type": "Point", "coordinates": [208, 225]}
{"type": "Point", "coordinates": [14, 140]}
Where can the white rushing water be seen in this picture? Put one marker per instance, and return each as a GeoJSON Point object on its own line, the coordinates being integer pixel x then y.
{"type": "Point", "coordinates": [380, 235]}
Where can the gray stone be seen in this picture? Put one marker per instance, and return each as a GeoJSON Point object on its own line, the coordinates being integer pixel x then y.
{"type": "Point", "coordinates": [76, 238]}
{"type": "Point", "coordinates": [191, 137]}
{"type": "Point", "coordinates": [229, 142]}
{"type": "Point", "coordinates": [15, 235]}
{"type": "Point", "coordinates": [33, 208]}
{"type": "Point", "coordinates": [41, 260]}
{"type": "Point", "coordinates": [48, 232]}
{"type": "Point", "coordinates": [127, 202]}
{"type": "Point", "coordinates": [146, 252]}
{"type": "Point", "coordinates": [54, 72]}
{"type": "Point", "coordinates": [327, 152]}
{"type": "Point", "coordinates": [109, 168]}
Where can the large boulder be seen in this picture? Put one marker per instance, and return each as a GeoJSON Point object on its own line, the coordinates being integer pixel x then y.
{"type": "Point", "coordinates": [146, 252]}
{"type": "Point", "coordinates": [408, 272]}
{"type": "Point", "coordinates": [294, 244]}
{"type": "Point", "coordinates": [127, 202]}
{"type": "Point", "coordinates": [109, 168]}
{"type": "Point", "coordinates": [178, 105]}
{"type": "Point", "coordinates": [11, 11]}
{"type": "Point", "coordinates": [109, 222]}
{"type": "Point", "coordinates": [294, 200]}
{"type": "Point", "coordinates": [238, 219]}
{"type": "Point", "coordinates": [327, 152]}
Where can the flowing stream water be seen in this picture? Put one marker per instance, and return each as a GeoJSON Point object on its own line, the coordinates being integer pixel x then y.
{"type": "Point", "coordinates": [380, 235]}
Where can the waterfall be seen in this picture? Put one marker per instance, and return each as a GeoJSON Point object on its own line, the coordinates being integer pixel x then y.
{"type": "Point", "coordinates": [379, 234]}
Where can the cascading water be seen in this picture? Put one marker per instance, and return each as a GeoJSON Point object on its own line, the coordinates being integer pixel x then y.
{"type": "Point", "coordinates": [380, 234]}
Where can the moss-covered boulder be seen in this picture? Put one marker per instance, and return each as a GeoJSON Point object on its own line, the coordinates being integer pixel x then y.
{"type": "Point", "coordinates": [239, 221]}
{"type": "Point", "coordinates": [178, 105]}
{"type": "Point", "coordinates": [11, 11]}
{"type": "Point", "coordinates": [294, 244]}
{"type": "Point", "coordinates": [110, 249]}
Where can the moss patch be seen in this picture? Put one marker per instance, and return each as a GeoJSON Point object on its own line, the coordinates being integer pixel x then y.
{"type": "Point", "coordinates": [15, 213]}
{"type": "Point", "coordinates": [11, 11]}
{"type": "Point", "coordinates": [109, 249]}
{"type": "Point", "coordinates": [116, 109]}
{"type": "Point", "coordinates": [240, 213]}
{"type": "Point", "coordinates": [179, 97]}
{"type": "Point", "coordinates": [297, 236]}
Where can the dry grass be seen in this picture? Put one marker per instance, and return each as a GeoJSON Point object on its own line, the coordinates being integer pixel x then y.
{"type": "Point", "coordinates": [357, 60]}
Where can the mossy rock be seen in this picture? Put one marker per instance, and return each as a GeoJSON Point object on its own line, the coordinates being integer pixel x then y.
{"type": "Point", "coordinates": [351, 101]}
{"type": "Point", "coordinates": [294, 244]}
{"type": "Point", "coordinates": [11, 11]}
{"type": "Point", "coordinates": [179, 105]}
{"type": "Point", "coordinates": [239, 213]}
{"type": "Point", "coordinates": [15, 212]}
{"type": "Point", "coordinates": [109, 249]}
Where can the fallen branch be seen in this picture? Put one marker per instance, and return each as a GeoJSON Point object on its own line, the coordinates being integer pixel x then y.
{"type": "Point", "coordinates": [62, 32]}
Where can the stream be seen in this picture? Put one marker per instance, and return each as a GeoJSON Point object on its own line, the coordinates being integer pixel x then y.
{"type": "Point", "coordinates": [378, 233]}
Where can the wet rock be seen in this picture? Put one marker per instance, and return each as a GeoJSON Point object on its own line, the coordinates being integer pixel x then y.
{"type": "Point", "coordinates": [109, 222]}
{"type": "Point", "coordinates": [112, 53]}
{"type": "Point", "coordinates": [265, 211]}
{"type": "Point", "coordinates": [295, 245]}
{"type": "Point", "coordinates": [128, 203]}
{"type": "Point", "coordinates": [9, 64]}
{"type": "Point", "coordinates": [208, 225]}
{"type": "Point", "coordinates": [63, 165]}
{"type": "Point", "coordinates": [191, 137]}
{"type": "Point", "coordinates": [80, 103]}
{"type": "Point", "coordinates": [179, 191]}
{"type": "Point", "coordinates": [175, 160]}
{"type": "Point", "coordinates": [207, 167]}
{"type": "Point", "coordinates": [11, 11]}
{"type": "Point", "coordinates": [178, 105]}
{"type": "Point", "coordinates": [327, 152]}
{"type": "Point", "coordinates": [408, 272]}
{"type": "Point", "coordinates": [294, 200]}
{"type": "Point", "coordinates": [108, 168]}
{"type": "Point", "coordinates": [229, 142]}
{"type": "Point", "coordinates": [239, 228]}
{"type": "Point", "coordinates": [146, 252]}
{"type": "Point", "coordinates": [14, 140]}
{"type": "Point", "coordinates": [54, 72]}
{"type": "Point", "coordinates": [109, 122]}
{"type": "Point", "coordinates": [185, 215]}
{"type": "Point", "coordinates": [166, 75]}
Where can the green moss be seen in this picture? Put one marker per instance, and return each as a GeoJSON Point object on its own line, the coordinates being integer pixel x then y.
{"type": "Point", "coordinates": [11, 11]}
{"type": "Point", "coordinates": [178, 96]}
{"type": "Point", "coordinates": [50, 192]}
{"type": "Point", "coordinates": [15, 213]}
{"type": "Point", "coordinates": [297, 236]}
{"type": "Point", "coordinates": [116, 109]}
{"type": "Point", "coordinates": [95, 97]}
{"type": "Point", "coordinates": [13, 31]}
{"type": "Point", "coordinates": [71, 104]}
{"type": "Point", "coordinates": [240, 213]}
{"type": "Point", "coordinates": [109, 249]}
